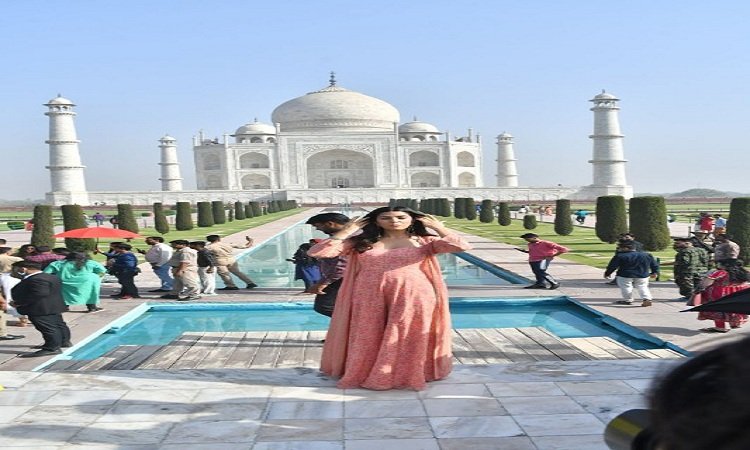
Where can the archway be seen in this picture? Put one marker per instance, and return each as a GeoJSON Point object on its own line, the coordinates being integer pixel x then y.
{"type": "Point", "coordinates": [465, 159]}
{"type": "Point", "coordinates": [256, 181]}
{"type": "Point", "coordinates": [211, 162]}
{"type": "Point", "coordinates": [340, 168]}
{"type": "Point", "coordinates": [467, 179]}
{"type": "Point", "coordinates": [425, 179]}
{"type": "Point", "coordinates": [424, 159]}
{"type": "Point", "coordinates": [254, 161]}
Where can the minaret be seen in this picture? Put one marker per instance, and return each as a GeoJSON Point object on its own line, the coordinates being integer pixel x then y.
{"type": "Point", "coordinates": [608, 157]}
{"type": "Point", "coordinates": [507, 174]}
{"type": "Point", "coordinates": [68, 185]}
{"type": "Point", "coordinates": [170, 167]}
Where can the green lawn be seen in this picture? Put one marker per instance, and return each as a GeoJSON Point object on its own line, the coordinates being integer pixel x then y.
{"type": "Point", "coordinates": [585, 247]}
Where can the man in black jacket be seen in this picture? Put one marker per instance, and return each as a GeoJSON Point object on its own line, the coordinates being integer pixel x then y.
{"type": "Point", "coordinates": [39, 296]}
{"type": "Point", "coordinates": [633, 270]}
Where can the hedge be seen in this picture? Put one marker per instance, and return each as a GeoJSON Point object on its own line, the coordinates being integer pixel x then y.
{"type": "Point", "coordinates": [738, 225]}
{"type": "Point", "coordinates": [471, 208]}
{"type": "Point", "coordinates": [73, 219]}
{"type": "Point", "coordinates": [43, 227]}
{"type": "Point", "coordinates": [611, 218]}
{"type": "Point", "coordinates": [205, 214]}
{"type": "Point", "coordinates": [529, 221]}
{"type": "Point", "coordinates": [486, 214]}
{"type": "Point", "coordinates": [563, 221]}
{"type": "Point", "coordinates": [160, 219]}
{"type": "Point", "coordinates": [239, 211]}
{"type": "Point", "coordinates": [126, 218]}
{"type": "Point", "coordinates": [503, 214]}
{"type": "Point", "coordinates": [648, 222]}
{"type": "Point", "coordinates": [219, 213]}
{"type": "Point", "coordinates": [459, 208]}
{"type": "Point", "coordinates": [184, 218]}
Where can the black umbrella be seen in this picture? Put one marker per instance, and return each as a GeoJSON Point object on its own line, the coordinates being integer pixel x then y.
{"type": "Point", "coordinates": [736, 302]}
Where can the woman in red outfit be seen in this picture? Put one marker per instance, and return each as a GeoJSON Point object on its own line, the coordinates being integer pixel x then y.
{"type": "Point", "coordinates": [728, 278]}
{"type": "Point", "coordinates": [391, 325]}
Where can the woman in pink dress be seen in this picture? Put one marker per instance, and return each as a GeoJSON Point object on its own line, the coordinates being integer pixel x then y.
{"type": "Point", "coordinates": [728, 278]}
{"type": "Point", "coordinates": [391, 325]}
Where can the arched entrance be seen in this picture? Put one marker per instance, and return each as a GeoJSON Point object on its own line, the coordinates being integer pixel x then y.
{"type": "Point", "coordinates": [340, 169]}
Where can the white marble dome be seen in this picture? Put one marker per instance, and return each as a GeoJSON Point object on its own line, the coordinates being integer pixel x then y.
{"type": "Point", "coordinates": [418, 127]}
{"type": "Point", "coordinates": [255, 127]}
{"type": "Point", "coordinates": [59, 100]}
{"type": "Point", "coordinates": [335, 107]}
{"type": "Point", "coordinates": [605, 96]}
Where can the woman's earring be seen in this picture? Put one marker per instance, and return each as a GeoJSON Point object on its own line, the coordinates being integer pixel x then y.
{"type": "Point", "coordinates": [410, 229]}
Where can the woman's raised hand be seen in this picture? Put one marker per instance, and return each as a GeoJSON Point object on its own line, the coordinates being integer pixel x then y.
{"type": "Point", "coordinates": [432, 222]}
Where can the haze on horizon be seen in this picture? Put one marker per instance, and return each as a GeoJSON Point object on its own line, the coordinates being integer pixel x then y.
{"type": "Point", "coordinates": [141, 69]}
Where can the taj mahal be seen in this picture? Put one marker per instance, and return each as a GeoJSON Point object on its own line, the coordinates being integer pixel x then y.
{"type": "Point", "coordinates": [333, 146]}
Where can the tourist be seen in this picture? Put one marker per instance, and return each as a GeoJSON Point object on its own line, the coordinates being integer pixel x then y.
{"type": "Point", "coordinates": [690, 264]}
{"type": "Point", "coordinates": [7, 260]}
{"type": "Point", "coordinates": [306, 267]}
{"type": "Point", "coordinates": [44, 256]}
{"type": "Point", "coordinates": [25, 250]}
{"type": "Point", "coordinates": [81, 280]}
{"type": "Point", "coordinates": [331, 268]}
{"type": "Point", "coordinates": [725, 249]}
{"type": "Point", "coordinates": [729, 277]}
{"type": "Point", "coordinates": [39, 296]}
{"type": "Point", "coordinates": [720, 224]}
{"type": "Point", "coordinates": [206, 268]}
{"type": "Point", "coordinates": [158, 256]}
{"type": "Point", "coordinates": [99, 219]}
{"type": "Point", "coordinates": [6, 285]}
{"type": "Point", "coordinates": [125, 267]}
{"type": "Point", "coordinates": [391, 325]}
{"type": "Point", "coordinates": [115, 221]}
{"type": "Point", "coordinates": [184, 263]}
{"type": "Point", "coordinates": [630, 237]}
{"type": "Point", "coordinates": [633, 270]}
{"type": "Point", "coordinates": [226, 266]}
{"type": "Point", "coordinates": [702, 403]}
{"type": "Point", "coordinates": [581, 216]}
{"type": "Point", "coordinates": [706, 223]}
{"type": "Point", "coordinates": [541, 254]}
{"type": "Point", "coordinates": [702, 240]}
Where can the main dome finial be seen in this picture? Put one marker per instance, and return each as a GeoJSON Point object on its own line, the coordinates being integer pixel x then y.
{"type": "Point", "coordinates": [332, 80]}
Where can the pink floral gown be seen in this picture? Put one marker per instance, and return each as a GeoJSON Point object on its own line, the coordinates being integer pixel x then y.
{"type": "Point", "coordinates": [391, 325]}
{"type": "Point", "coordinates": [720, 288]}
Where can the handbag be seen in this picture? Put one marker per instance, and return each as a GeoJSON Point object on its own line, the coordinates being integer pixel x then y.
{"type": "Point", "coordinates": [696, 299]}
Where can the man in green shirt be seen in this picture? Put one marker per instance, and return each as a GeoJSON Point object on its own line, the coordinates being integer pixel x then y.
{"type": "Point", "coordinates": [690, 264]}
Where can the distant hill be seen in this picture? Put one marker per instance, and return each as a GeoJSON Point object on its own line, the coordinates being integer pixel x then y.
{"type": "Point", "coordinates": [699, 192]}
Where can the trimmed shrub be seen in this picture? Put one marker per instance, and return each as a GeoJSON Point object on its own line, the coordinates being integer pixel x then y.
{"type": "Point", "coordinates": [248, 211]}
{"type": "Point", "coordinates": [257, 209]}
{"type": "Point", "coordinates": [738, 225]}
{"type": "Point", "coordinates": [239, 211]}
{"type": "Point", "coordinates": [611, 218]}
{"type": "Point", "coordinates": [219, 213]}
{"type": "Point", "coordinates": [529, 221]}
{"type": "Point", "coordinates": [648, 222]}
{"type": "Point", "coordinates": [205, 214]}
{"type": "Point", "coordinates": [444, 207]}
{"type": "Point", "coordinates": [160, 219]}
{"type": "Point", "coordinates": [459, 208]}
{"type": "Point", "coordinates": [503, 214]}
{"type": "Point", "coordinates": [170, 212]}
{"type": "Point", "coordinates": [184, 218]}
{"type": "Point", "coordinates": [271, 208]}
{"type": "Point", "coordinates": [125, 218]}
{"type": "Point", "coordinates": [563, 221]}
{"type": "Point", "coordinates": [413, 204]}
{"type": "Point", "coordinates": [471, 208]}
{"type": "Point", "coordinates": [43, 227]}
{"type": "Point", "coordinates": [15, 225]}
{"type": "Point", "coordinates": [486, 214]}
{"type": "Point", "coordinates": [72, 220]}
{"type": "Point", "coordinates": [230, 215]}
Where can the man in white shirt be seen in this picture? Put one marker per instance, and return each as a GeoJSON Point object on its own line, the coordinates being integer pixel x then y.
{"type": "Point", "coordinates": [158, 256]}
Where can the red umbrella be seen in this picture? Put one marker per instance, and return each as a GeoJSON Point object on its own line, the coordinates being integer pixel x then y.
{"type": "Point", "coordinates": [97, 232]}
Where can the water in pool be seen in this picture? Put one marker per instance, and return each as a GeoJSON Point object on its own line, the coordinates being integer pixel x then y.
{"type": "Point", "coordinates": [163, 323]}
{"type": "Point", "coordinates": [267, 264]}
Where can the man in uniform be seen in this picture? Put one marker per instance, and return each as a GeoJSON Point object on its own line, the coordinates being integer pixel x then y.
{"type": "Point", "coordinates": [226, 265]}
{"type": "Point", "coordinates": [690, 264]}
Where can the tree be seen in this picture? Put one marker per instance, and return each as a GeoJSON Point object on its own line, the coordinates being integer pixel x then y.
{"type": "Point", "coordinates": [184, 217]}
{"type": "Point", "coordinates": [257, 209]}
{"type": "Point", "coordinates": [126, 218]}
{"type": "Point", "coordinates": [73, 219]}
{"type": "Point", "coordinates": [563, 221]}
{"type": "Point", "coordinates": [205, 214]}
{"type": "Point", "coordinates": [248, 211]}
{"type": "Point", "coordinates": [486, 214]}
{"type": "Point", "coordinates": [43, 227]}
{"type": "Point", "coordinates": [230, 214]}
{"type": "Point", "coordinates": [219, 213]}
{"type": "Point", "coordinates": [611, 218]}
{"type": "Point", "coordinates": [239, 211]}
{"type": "Point", "coordinates": [529, 221]}
{"type": "Point", "coordinates": [648, 222]}
{"type": "Point", "coordinates": [160, 219]}
{"type": "Point", "coordinates": [413, 204]}
{"type": "Point", "coordinates": [444, 207]}
{"type": "Point", "coordinates": [459, 208]}
{"type": "Point", "coordinates": [471, 208]}
{"type": "Point", "coordinates": [271, 207]}
{"type": "Point", "coordinates": [738, 225]}
{"type": "Point", "coordinates": [503, 214]}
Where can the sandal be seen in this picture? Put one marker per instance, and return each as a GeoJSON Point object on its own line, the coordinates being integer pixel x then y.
{"type": "Point", "coordinates": [713, 330]}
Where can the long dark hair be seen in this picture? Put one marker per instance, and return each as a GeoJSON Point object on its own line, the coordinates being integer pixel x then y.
{"type": "Point", "coordinates": [77, 258]}
{"type": "Point", "coordinates": [735, 271]}
{"type": "Point", "coordinates": [371, 232]}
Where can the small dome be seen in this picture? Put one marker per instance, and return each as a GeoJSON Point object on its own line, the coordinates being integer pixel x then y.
{"type": "Point", "coordinates": [505, 135]}
{"type": "Point", "coordinates": [605, 96]}
{"type": "Point", "coordinates": [255, 127]}
{"type": "Point", "coordinates": [418, 127]}
{"type": "Point", "coordinates": [59, 101]}
{"type": "Point", "coordinates": [335, 107]}
{"type": "Point", "coordinates": [167, 138]}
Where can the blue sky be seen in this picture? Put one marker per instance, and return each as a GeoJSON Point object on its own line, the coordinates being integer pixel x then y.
{"type": "Point", "coordinates": [140, 69]}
